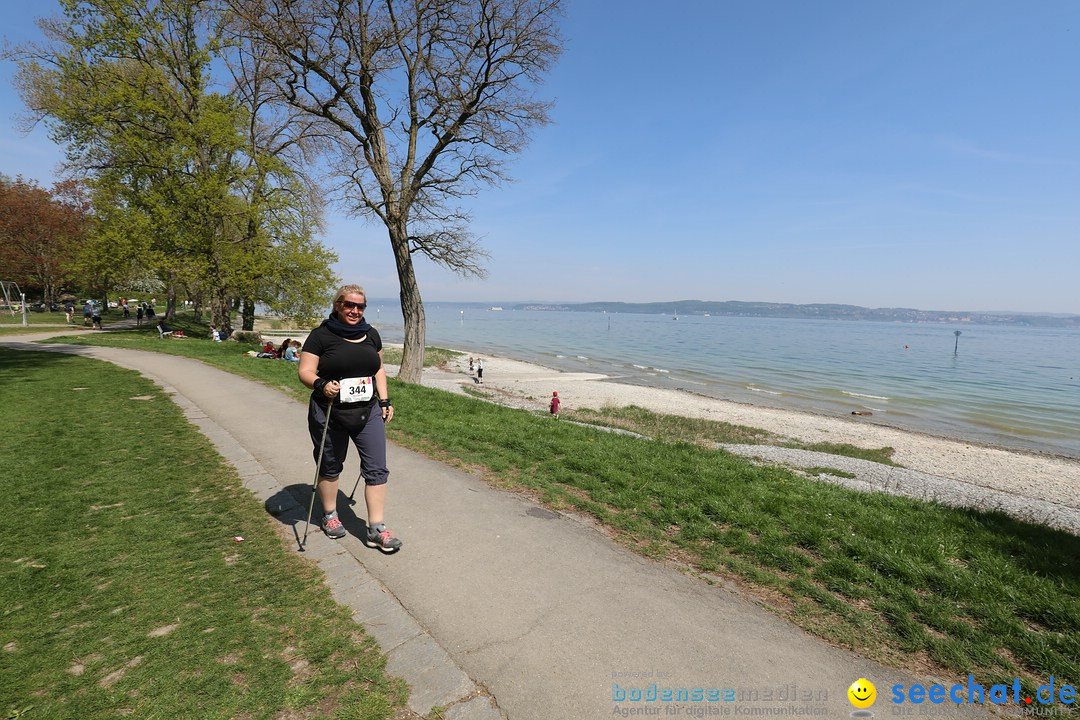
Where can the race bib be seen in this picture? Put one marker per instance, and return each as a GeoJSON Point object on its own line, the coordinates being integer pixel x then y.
{"type": "Point", "coordinates": [360, 389]}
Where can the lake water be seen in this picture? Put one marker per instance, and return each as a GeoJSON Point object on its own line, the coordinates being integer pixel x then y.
{"type": "Point", "coordinates": [1012, 386]}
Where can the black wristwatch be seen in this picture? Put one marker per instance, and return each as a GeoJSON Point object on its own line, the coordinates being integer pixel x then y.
{"type": "Point", "coordinates": [384, 403]}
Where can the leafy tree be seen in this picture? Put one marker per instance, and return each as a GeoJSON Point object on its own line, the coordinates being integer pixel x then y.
{"type": "Point", "coordinates": [40, 233]}
{"type": "Point", "coordinates": [123, 86]}
{"type": "Point", "coordinates": [422, 102]}
{"type": "Point", "coordinates": [289, 271]}
{"type": "Point", "coordinates": [127, 87]}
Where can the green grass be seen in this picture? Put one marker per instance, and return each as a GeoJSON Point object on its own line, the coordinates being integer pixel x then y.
{"type": "Point", "coordinates": [121, 588]}
{"type": "Point", "coordinates": [228, 356]}
{"type": "Point", "coordinates": [905, 582]}
{"type": "Point", "coordinates": [39, 318]}
{"type": "Point", "coordinates": [879, 455]}
{"type": "Point", "coordinates": [109, 316]}
{"type": "Point", "coordinates": [817, 470]}
{"type": "Point", "coordinates": [674, 428]}
{"type": "Point", "coordinates": [433, 356]}
{"type": "Point", "coordinates": [6, 330]}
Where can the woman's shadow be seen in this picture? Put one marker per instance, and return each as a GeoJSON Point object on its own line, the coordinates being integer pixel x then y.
{"type": "Point", "coordinates": [290, 507]}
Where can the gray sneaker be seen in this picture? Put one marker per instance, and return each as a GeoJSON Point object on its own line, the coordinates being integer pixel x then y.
{"type": "Point", "coordinates": [332, 526]}
{"type": "Point", "coordinates": [379, 537]}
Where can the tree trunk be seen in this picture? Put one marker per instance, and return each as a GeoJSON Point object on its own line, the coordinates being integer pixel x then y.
{"type": "Point", "coordinates": [170, 302]}
{"type": "Point", "coordinates": [222, 309]}
{"type": "Point", "coordinates": [249, 314]}
{"type": "Point", "coordinates": [412, 307]}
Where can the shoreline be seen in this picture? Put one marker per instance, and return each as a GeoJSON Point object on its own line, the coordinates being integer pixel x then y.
{"type": "Point", "coordinates": [1040, 477]}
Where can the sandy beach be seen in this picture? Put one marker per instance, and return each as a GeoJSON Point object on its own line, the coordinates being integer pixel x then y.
{"type": "Point", "coordinates": [1038, 487]}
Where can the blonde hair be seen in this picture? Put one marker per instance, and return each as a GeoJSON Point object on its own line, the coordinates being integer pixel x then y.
{"type": "Point", "coordinates": [348, 290]}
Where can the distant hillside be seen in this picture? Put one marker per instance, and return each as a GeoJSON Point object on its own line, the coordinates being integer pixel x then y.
{"type": "Point", "coordinates": [822, 311]}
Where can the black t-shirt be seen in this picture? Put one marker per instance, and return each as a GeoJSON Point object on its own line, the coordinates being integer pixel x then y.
{"type": "Point", "coordinates": [339, 358]}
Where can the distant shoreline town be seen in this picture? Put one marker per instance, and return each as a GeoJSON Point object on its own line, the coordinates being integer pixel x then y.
{"type": "Point", "coordinates": [819, 311]}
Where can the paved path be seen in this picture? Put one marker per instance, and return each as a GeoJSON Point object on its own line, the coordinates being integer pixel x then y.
{"type": "Point", "coordinates": [498, 607]}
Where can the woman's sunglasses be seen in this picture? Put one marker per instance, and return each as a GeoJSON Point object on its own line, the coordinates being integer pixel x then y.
{"type": "Point", "coordinates": [349, 305]}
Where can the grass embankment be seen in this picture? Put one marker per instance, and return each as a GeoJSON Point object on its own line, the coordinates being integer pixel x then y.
{"type": "Point", "coordinates": [674, 428]}
{"type": "Point", "coordinates": [906, 582]}
{"type": "Point", "coordinates": [122, 589]}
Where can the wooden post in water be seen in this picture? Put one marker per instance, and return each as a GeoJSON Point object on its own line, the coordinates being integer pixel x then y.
{"type": "Point", "coordinates": [957, 343]}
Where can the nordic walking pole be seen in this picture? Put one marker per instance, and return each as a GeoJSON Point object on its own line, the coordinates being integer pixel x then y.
{"type": "Point", "coordinates": [318, 467]}
{"type": "Point", "coordinates": [356, 485]}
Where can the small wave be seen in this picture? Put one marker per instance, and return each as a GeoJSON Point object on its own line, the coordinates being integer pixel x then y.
{"type": "Point", "coordinates": [560, 356]}
{"type": "Point", "coordinates": [768, 392]}
{"type": "Point", "coordinates": [640, 367]}
{"type": "Point", "coordinates": [872, 397]}
{"type": "Point", "coordinates": [661, 370]}
{"type": "Point", "coordinates": [582, 357]}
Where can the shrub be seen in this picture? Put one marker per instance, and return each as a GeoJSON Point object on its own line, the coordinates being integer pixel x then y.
{"type": "Point", "coordinates": [247, 337]}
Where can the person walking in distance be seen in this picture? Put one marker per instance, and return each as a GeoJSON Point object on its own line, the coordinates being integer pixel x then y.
{"type": "Point", "coordinates": [342, 363]}
{"type": "Point", "coordinates": [480, 370]}
{"type": "Point", "coordinates": [555, 403]}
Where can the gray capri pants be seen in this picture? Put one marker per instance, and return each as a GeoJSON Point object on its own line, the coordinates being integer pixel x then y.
{"type": "Point", "coordinates": [367, 433]}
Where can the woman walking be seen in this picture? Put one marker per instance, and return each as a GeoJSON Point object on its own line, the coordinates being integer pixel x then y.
{"type": "Point", "coordinates": [342, 363]}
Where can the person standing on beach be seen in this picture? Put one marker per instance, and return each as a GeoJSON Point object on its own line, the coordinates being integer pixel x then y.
{"type": "Point", "coordinates": [342, 363]}
{"type": "Point", "coordinates": [555, 403]}
{"type": "Point", "coordinates": [480, 370]}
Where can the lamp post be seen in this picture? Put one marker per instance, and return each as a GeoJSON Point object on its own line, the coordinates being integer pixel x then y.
{"type": "Point", "coordinates": [957, 343]}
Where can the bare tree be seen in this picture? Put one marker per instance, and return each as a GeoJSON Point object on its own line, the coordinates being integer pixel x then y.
{"type": "Point", "coordinates": [423, 102]}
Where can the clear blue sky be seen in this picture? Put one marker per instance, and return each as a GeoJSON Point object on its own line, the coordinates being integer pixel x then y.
{"type": "Point", "coordinates": [922, 154]}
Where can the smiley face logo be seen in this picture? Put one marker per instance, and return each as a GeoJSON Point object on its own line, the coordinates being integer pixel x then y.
{"type": "Point", "coordinates": [862, 693]}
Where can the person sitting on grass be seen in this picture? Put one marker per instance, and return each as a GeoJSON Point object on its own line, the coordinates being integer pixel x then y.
{"type": "Point", "coordinates": [292, 352]}
{"type": "Point", "coordinates": [283, 347]}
